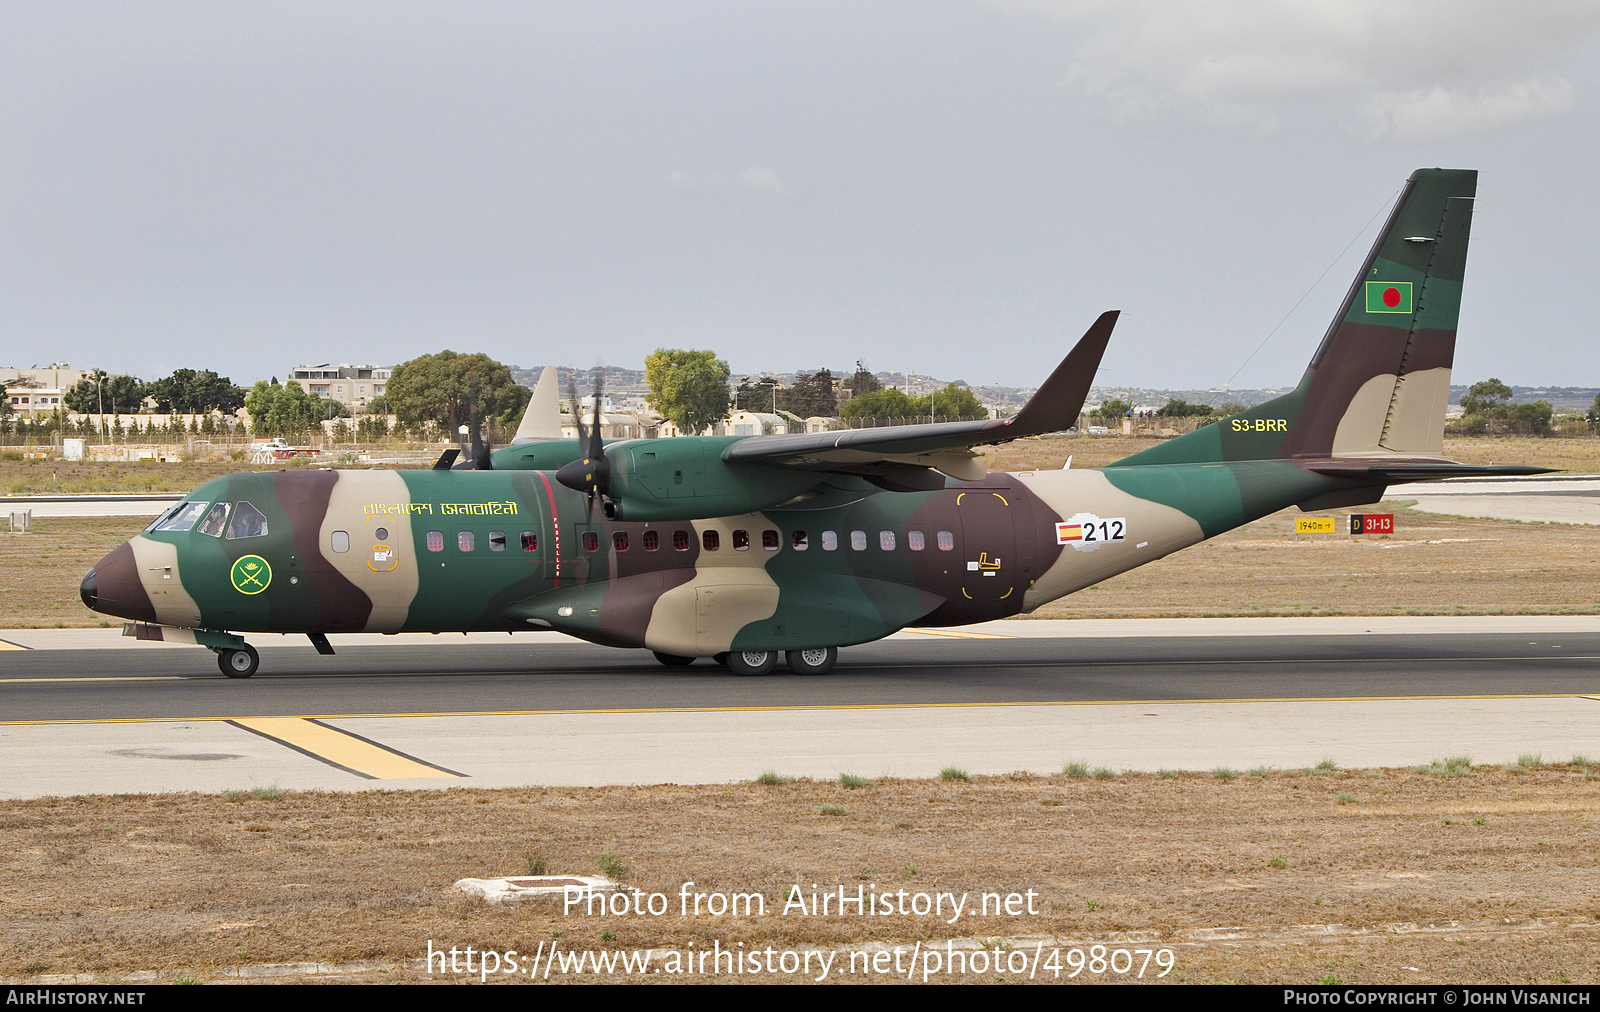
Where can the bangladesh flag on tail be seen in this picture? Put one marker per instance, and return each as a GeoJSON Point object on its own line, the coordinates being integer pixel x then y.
{"type": "Point", "coordinates": [1389, 297]}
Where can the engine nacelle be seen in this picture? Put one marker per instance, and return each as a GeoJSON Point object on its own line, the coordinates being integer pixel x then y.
{"type": "Point", "coordinates": [687, 479]}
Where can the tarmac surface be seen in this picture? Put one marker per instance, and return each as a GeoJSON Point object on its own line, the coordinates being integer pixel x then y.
{"type": "Point", "coordinates": [88, 711]}
{"type": "Point", "coordinates": [1551, 499]}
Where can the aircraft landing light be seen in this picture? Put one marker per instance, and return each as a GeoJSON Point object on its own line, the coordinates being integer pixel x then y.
{"type": "Point", "coordinates": [341, 749]}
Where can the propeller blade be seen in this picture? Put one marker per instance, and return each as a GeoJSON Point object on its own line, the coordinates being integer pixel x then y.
{"type": "Point", "coordinates": [590, 474]}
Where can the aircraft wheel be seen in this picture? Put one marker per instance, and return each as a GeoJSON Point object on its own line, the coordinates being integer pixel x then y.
{"type": "Point", "coordinates": [241, 663]}
{"type": "Point", "coordinates": [752, 662]}
{"type": "Point", "coordinates": [673, 660]}
{"type": "Point", "coordinates": [815, 661]}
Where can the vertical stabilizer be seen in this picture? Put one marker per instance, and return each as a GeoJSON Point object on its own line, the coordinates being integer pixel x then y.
{"type": "Point", "coordinates": [1381, 378]}
{"type": "Point", "coordinates": [542, 420]}
{"type": "Point", "coordinates": [1379, 382]}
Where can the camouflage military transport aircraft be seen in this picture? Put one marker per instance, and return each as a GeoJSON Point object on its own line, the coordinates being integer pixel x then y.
{"type": "Point", "coordinates": [743, 549]}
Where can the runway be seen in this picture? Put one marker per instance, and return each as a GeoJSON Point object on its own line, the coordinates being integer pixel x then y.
{"type": "Point", "coordinates": [92, 712]}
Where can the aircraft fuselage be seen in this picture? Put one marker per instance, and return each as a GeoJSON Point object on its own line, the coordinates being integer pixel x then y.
{"type": "Point", "coordinates": [442, 551]}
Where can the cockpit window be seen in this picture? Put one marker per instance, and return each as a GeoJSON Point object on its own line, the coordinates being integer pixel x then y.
{"type": "Point", "coordinates": [158, 521]}
{"type": "Point", "coordinates": [247, 522]}
{"type": "Point", "coordinates": [215, 520]}
{"type": "Point", "coordinates": [183, 517]}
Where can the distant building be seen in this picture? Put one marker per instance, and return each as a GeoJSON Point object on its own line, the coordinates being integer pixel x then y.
{"type": "Point", "coordinates": [38, 391]}
{"type": "Point", "coordinates": [354, 386]}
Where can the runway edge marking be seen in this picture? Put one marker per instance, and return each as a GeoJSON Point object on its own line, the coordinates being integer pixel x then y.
{"type": "Point", "coordinates": [784, 709]}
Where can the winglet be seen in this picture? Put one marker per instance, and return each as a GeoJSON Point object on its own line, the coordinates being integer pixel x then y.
{"type": "Point", "coordinates": [1059, 400]}
{"type": "Point", "coordinates": [542, 419]}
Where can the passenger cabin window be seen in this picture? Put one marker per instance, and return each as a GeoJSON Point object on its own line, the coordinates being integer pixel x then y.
{"type": "Point", "coordinates": [530, 541]}
{"type": "Point", "coordinates": [798, 541]}
{"type": "Point", "coordinates": [466, 541]}
{"type": "Point", "coordinates": [769, 540]}
{"type": "Point", "coordinates": [619, 540]}
{"type": "Point", "coordinates": [947, 541]}
{"type": "Point", "coordinates": [830, 541]}
{"type": "Point", "coordinates": [858, 541]}
{"type": "Point", "coordinates": [340, 540]}
{"type": "Point", "coordinates": [436, 541]}
{"type": "Point", "coordinates": [652, 540]}
{"type": "Point", "coordinates": [680, 541]}
{"type": "Point", "coordinates": [886, 540]}
{"type": "Point", "coordinates": [247, 522]}
{"type": "Point", "coordinates": [915, 541]}
{"type": "Point", "coordinates": [591, 541]}
{"type": "Point", "coordinates": [741, 541]}
{"type": "Point", "coordinates": [711, 541]}
{"type": "Point", "coordinates": [497, 541]}
{"type": "Point", "coordinates": [215, 521]}
{"type": "Point", "coordinates": [184, 517]}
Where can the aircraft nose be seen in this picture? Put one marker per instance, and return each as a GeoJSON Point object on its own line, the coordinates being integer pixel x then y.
{"type": "Point", "coordinates": [112, 587]}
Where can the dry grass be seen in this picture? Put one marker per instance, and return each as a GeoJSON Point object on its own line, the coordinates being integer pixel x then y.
{"type": "Point", "coordinates": [191, 884]}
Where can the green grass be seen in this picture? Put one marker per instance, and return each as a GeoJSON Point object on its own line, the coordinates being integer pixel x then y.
{"type": "Point", "coordinates": [1223, 773]}
{"type": "Point", "coordinates": [1259, 771]}
{"type": "Point", "coordinates": [771, 778]}
{"type": "Point", "coordinates": [832, 810]}
{"type": "Point", "coordinates": [1166, 774]}
{"type": "Point", "coordinates": [1278, 862]}
{"type": "Point", "coordinates": [1450, 766]}
{"type": "Point", "coordinates": [1530, 759]}
{"type": "Point", "coordinates": [953, 773]}
{"type": "Point", "coordinates": [851, 780]}
{"type": "Point", "coordinates": [270, 793]}
{"type": "Point", "coordinates": [534, 863]}
{"type": "Point", "coordinates": [1076, 769]}
{"type": "Point", "coordinates": [1104, 773]}
{"type": "Point", "coordinates": [613, 866]}
{"type": "Point", "coordinates": [1347, 799]}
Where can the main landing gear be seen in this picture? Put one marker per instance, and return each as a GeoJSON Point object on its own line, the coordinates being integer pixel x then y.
{"type": "Point", "coordinates": [814, 661]}
{"type": "Point", "coordinates": [240, 663]}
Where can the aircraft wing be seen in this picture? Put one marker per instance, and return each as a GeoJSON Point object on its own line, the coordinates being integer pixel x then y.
{"type": "Point", "coordinates": [899, 450]}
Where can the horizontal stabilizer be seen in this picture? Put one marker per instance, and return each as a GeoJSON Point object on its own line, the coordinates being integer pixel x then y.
{"type": "Point", "coordinates": [1396, 472]}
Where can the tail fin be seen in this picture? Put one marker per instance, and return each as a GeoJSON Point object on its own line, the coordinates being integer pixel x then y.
{"type": "Point", "coordinates": [1380, 380]}
{"type": "Point", "coordinates": [542, 419]}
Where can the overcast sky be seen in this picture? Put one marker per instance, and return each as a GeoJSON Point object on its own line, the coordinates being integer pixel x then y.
{"type": "Point", "coordinates": [957, 188]}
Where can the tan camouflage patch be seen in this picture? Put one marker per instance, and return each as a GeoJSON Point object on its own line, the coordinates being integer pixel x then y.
{"type": "Point", "coordinates": [1153, 530]}
{"type": "Point", "coordinates": [158, 572]}
{"type": "Point", "coordinates": [385, 568]}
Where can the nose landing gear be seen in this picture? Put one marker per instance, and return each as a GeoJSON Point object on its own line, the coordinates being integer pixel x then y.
{"type": "Point", "coordinates": [238, 663]}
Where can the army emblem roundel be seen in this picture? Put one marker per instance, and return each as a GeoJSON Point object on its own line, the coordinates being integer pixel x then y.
{"type": "Point", "coordinates": [251, 575]}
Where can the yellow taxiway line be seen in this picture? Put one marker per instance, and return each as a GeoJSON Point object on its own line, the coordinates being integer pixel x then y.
{"type": "Point", "coordinates": [350, 752]}
{"type": "Point", "coordinates": [960, 635]}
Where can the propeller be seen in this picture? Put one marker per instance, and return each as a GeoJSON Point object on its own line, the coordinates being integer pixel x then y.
{"type": "Point", "coordinates": [590, 474]}
{"type": "Point", "coordinates": [480, 459]}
